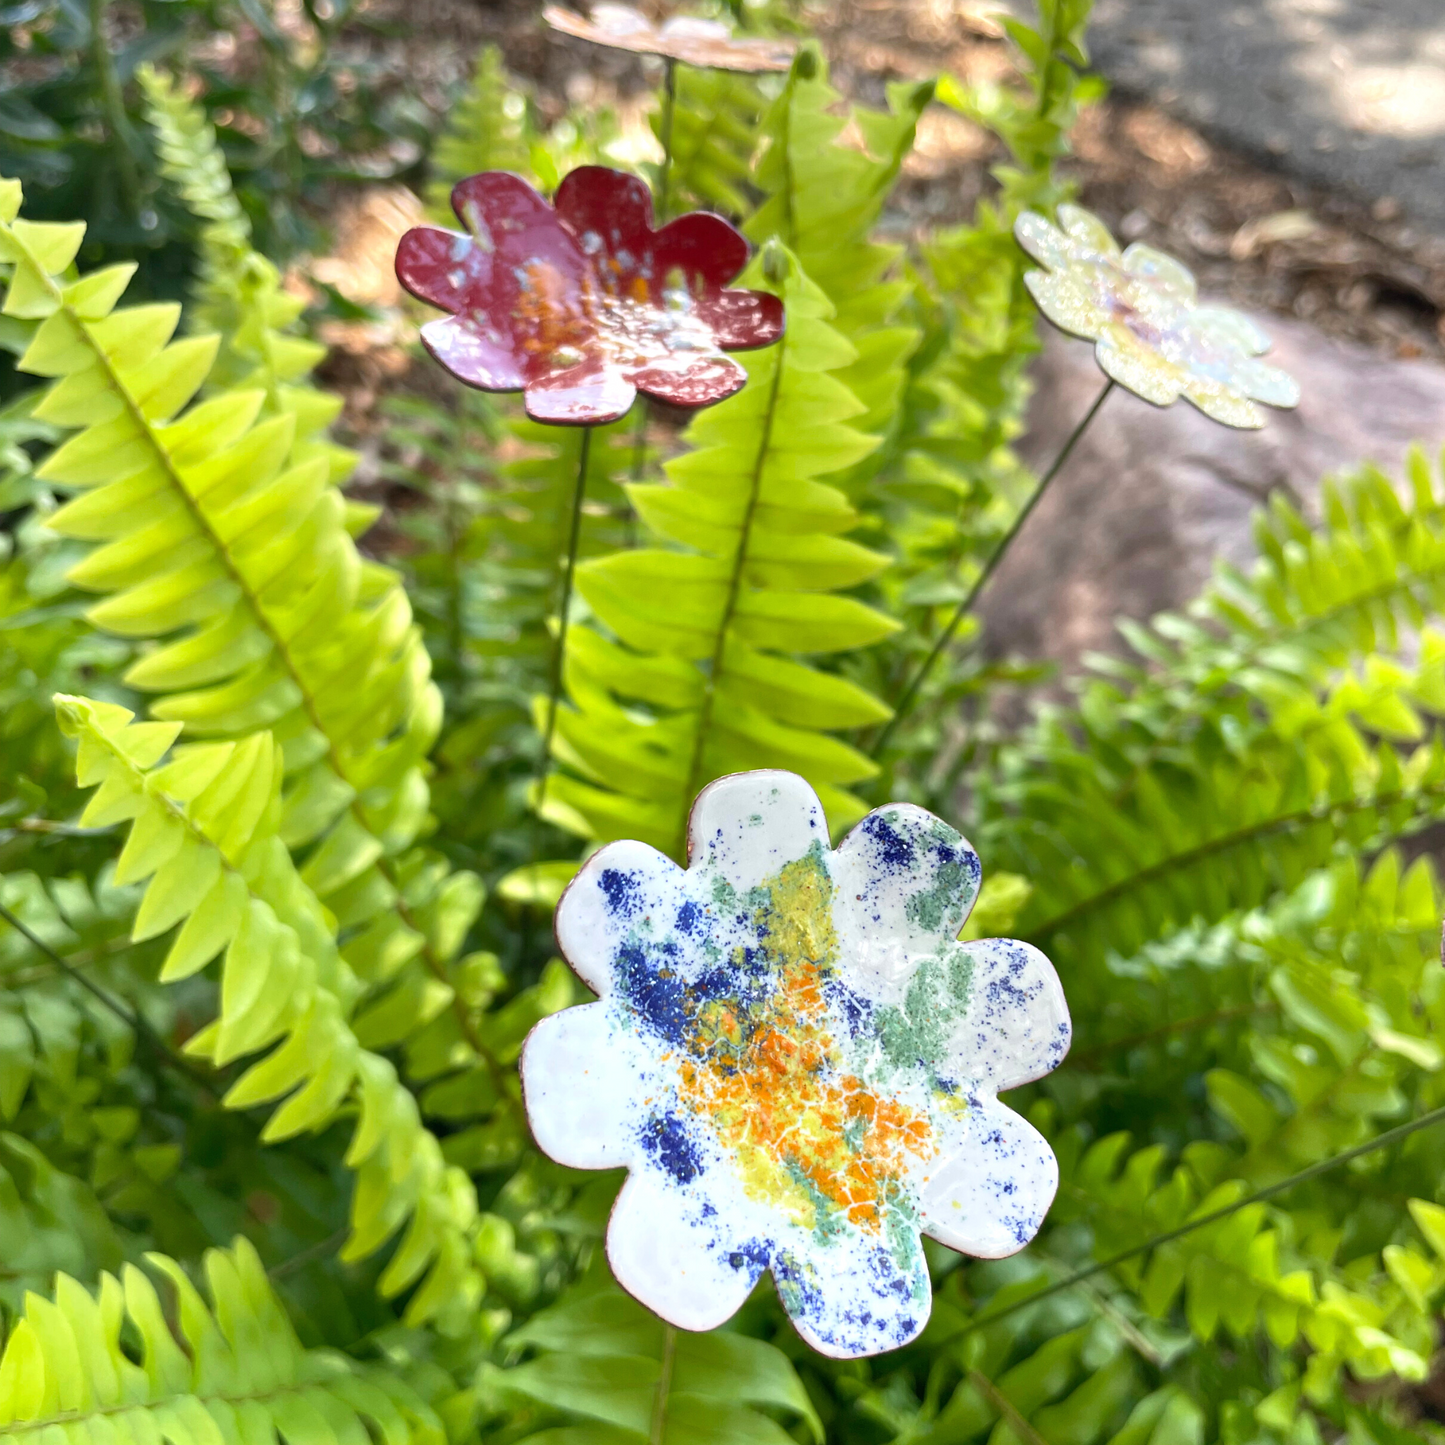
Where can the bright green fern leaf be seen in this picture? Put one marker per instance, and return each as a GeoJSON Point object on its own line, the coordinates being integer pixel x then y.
{"type": "Point", "coordinates": [228, 1371]}
{"type": "Point", "coordinates": [205, 832]}
{"type": "Point", "coordinates": [708, 638]}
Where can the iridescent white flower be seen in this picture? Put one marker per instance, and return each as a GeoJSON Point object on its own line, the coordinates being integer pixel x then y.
{"type": "Point", "coordinates": [1142, 310]}
{"type": "Point", "coordinates": [798, 1063]}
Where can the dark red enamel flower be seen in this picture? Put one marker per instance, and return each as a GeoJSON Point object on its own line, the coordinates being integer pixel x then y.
{"type": "Point", "coordinates": [582, 305]}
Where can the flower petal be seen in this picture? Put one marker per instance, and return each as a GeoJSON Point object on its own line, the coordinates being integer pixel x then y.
{"type": "Point", "coordinates": [471, 357]}
{"type": "Point", "coordinates": [1016, 1027]}
{"type": "Point", "coordinates": [577, 1074]}
{"type": "Point", "coordinates": [991, 1184]}
{"type": "Point", "coordinates": [1067, 302]}
{"type": "Point", "coordinates": [1267, 383]}
{"type": "Point", "coordinates": [587, 395]}
{"type": "Point", "coordinates": [438, 266]}
{"type": "Point", "coordinates": [1138, 367]}
{"type": "Point", "coordinates": [1225, 326]}
{"type": "Point", "coordinates": [853, 1297]}
{"type": "Point", "coordinates": [905, 884]}
{"type": "Point", "coordinates": [684, 1269]}
{"type": "Point", "coordinates": [690, 379]}
{"type": "Point", "coordinates": [1086, 232]}
{"type": "Point", "coordinates": [611, 206]}
{"type": "Point", "coordinates": [1043, 240]}
{"type": "Point", "coordinates": [503, 213]}
{"type": "Point", "coordinates": [613, 889]}
{"type": "Point", "coordinates": [747, 826]}
{"type": "Point", "coordinates": [1224, 404]}
{"type": "Point", "coordinates": [1169, 275]}
{"type": "Point", "coordinates": [742, 320]}
{"type": "Point", "coordinates": [701, 246]}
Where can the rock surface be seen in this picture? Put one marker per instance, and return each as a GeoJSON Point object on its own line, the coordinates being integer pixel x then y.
{"type": "Point", "coordinates": [1151, 498]}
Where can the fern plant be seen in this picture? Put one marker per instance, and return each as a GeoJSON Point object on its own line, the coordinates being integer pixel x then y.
{"type": "Point", "coordinates": [259, 1019]}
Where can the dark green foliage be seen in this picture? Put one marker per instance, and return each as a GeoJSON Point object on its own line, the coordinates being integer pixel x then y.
{"type": "Point", "coordinates": [277, 847]}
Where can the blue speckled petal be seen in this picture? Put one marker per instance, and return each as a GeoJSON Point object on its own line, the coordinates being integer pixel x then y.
{"type": "Point", "coordinates": [906, 884]}
{"type": "Point", "coordinates": [670, 1259]}
{"type": "Point", "coordinates": [1017, 1026]}
{"type": "Point", "coordinates": [991, 1183]}
{"type": "Point", "coordinates": [856, 1297]}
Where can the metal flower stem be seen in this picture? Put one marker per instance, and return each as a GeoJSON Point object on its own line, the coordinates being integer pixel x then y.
{"type": "Point", "coordinates": [559, 649]}
{"type": "Point", "coordinates": [910, 693]}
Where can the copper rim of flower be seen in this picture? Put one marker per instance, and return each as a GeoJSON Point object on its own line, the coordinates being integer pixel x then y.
{"type": "Point", "coordinates": [1207, 354]}
{"type": "Point", "coordinates": [707, 44]}
{"type": "Point", "coordinates": [581, 304]}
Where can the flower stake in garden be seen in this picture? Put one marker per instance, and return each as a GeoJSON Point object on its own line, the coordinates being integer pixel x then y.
{"type": "Point", "coordinates": [682, 39]}
{"type": "Point", "coordinates": [797, 1063]}
{"type": "Point", "coordinates": [580, 305]}
{"type": "Point", "coordinates": [1151, 336]}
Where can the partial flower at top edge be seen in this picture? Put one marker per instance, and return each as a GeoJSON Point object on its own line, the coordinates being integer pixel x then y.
{"type": "Point", "coordinates": [581, 304]}
{"type": "Point", "coordinates": [798, 1064]}
{"type": "Point", "coordinates": [707, 44]}
{"type": "Point", "coordinates": [1141, 308]}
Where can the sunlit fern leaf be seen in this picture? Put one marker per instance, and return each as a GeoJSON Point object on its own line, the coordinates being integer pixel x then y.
{"type": "Point", "coordinates": [708, 631]}
{"type": "Point", "coordinates": [205, 833]}
{"type": "Point", "coordinates": [603, 1359]}
{"type": "Point", "coordinates": [824, 200]}
{"type": "Point", "coordinates": [1240, 1276]}
{"type": "Point", "coordinates": [486, 130]}
{"type": "Point", "coordinates": [237, 560]}
{"type": "Point", "coordinates": [228, 1370]}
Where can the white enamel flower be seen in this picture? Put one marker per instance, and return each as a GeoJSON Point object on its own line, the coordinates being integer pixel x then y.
{"type": "Point", "coordinates": [797, 1063]}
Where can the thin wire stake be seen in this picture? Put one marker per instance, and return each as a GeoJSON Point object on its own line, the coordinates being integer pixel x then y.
{"type": "Point", "coordinates": [910, 693]}
{"type": "Point", "coordinates": [554, 691]}
{"type": "Point", "coordinates": [1380, 1141]}
{"type": "Point", "coordinates": [669, 106]}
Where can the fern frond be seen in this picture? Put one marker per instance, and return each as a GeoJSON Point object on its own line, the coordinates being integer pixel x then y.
{"type": "Point", "coordinates": [205, 832]}
{"type": "Point", "coordinates": [824, 201]}
{"type": "Point", "coordinates": [1243, 1276]}
{"type": "Point", "coordinates": [707, 638]}
{"type": "Point", "coordinates": [239, 561]}
{"type": "Point", "coordinates": [1238, 762]}
{"type": "Point", "coordinates": [237, 1369]}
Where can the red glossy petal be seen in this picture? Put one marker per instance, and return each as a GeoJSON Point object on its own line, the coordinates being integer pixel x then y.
{"type": "Point", "coordinates": [471, 357]}
{"type": "Point", "coordinates": [587, 395]}
{"type": "Point", "coordinates": [499, 209]}
{"type": "Point", "coordinates": [437, 266]}
{"type": "Point", "coordinates": [703, 246]}
{"type": "Point", "coordinates": [691, 380]}
{"type": "Point", "coordinates": [612, 206]}
{"type": "Point", "coordinates": [742, 320]}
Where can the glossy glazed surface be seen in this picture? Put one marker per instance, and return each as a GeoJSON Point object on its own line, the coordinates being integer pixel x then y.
{"type": "Point", "coordinates": [582, 304]}
{"type": "Point", "coordinates": [1142, 309]}
{"type": "Point", "coordinates": [797, 1063]}
{"type": "Point", "coordinates": [708, 44]}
